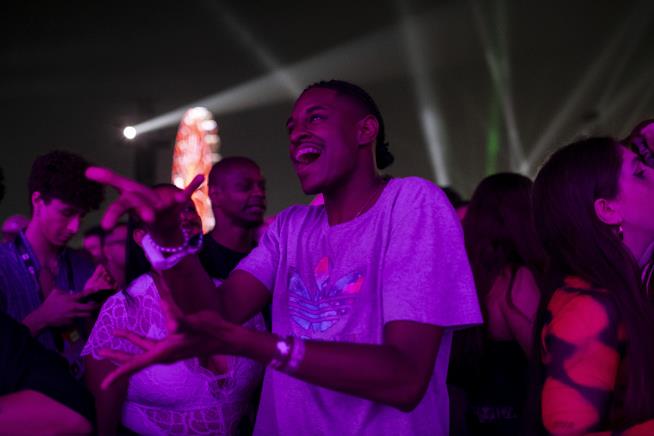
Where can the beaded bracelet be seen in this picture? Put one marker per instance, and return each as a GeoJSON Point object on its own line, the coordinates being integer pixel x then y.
{"type": "Point", "coordinates": [173, 250]}
{"type": "Point", "coordinates": [160, 262]}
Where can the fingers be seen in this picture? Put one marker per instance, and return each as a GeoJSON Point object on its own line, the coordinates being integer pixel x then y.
{"type": "Point", "coordinates": [128, 201]}
{"type": "Point", "coordinates": [138, 340]}
{"type": "Point", "coordinates": [84, 310]}
{"type": "Point", "coordinates": [132, 365]}
{"type": "Point", "coordinates": [172, 314]}
{"type": "Point", "coordinates": [206, 323]}
{"type": "Point", "coordinates": [197, 181]}
{"type": "Point", "coordinates": [123, 184]}
{"type": "Point", "coordinates": [101, 279]}
{"type": "Point", "coordinates": [97, 273]}
{"type": "Point", "coordinates": [115, 210]}
{"type": "Point", "coordinates": [115, 355]}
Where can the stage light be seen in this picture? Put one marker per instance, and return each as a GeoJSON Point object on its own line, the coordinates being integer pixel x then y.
{"type": "Point", "coordinates": [365, 60]}
{"type": "Point", "coordinates": [596, 73]}
{"type": "Point", "coordinates": [496, 54]}
{"type": "Point", "coordinates": [431, 121]}
{"type": "Point", "coordinates": [129, 132]}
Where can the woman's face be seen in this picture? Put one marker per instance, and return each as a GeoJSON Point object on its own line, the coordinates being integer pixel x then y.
{"type": "Point", "coordinates": [635, 200]}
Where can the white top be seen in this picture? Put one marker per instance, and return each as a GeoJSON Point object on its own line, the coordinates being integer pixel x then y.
{"type": "Point", "coordinates": [403, 259]}
{"type": "Point", "coordinates": [180, 398]}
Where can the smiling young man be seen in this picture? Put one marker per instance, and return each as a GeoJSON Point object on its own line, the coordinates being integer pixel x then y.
{"type": "Point", "coordinates": [365, 289]}
{"type": "Point", "coordinates": [41, 280]}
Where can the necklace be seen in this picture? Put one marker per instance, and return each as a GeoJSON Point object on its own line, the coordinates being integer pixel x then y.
{"type": "Point", "coordinates": [375, 194]}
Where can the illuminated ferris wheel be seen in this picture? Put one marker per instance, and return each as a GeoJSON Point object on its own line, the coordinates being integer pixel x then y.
{"type": "Point", "coordinates": [196, 150]}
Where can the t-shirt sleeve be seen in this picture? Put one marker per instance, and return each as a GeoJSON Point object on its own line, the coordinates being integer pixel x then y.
{"type": "Point", "coordinates": [427, 277]}
{"type": "Point", "coordinates": [262, 262]}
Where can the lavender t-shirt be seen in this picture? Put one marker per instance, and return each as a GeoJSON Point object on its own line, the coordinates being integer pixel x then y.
{"type": "Point", "coordinates": [403, 259]}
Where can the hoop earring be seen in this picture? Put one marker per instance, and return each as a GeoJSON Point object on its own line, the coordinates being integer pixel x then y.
{"type": "Point", "coordinates": [620, 232]}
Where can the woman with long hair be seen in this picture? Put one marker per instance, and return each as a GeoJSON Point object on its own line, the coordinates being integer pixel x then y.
{"type": "Point", "coordinates": [593, 208]}
{"type": "Point", "coordinates": [489, 363]}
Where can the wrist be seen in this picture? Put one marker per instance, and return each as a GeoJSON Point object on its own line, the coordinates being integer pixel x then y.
{"type": "Point", "coordinates": [162, 258]}
{"type": "Point", "coordinates": [35, 322]}
{"type": "Point", "coordinates": [169, 237]}
{"type": "Point", "coordinates": [255, 345]}
{"type": "Point", "coordinates": [289, 354]}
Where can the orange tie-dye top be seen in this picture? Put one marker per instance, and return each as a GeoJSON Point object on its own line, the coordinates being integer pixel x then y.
{"type": "Point", "coordinates": [583, 350]}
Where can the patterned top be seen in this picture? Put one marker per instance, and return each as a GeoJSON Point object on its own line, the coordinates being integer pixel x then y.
{"type": "Point", "coordinates": [179, 398]}
{"type": "Point", "coordinates": [584, 347]}
{"type": "Point", "coordinates": [20, 293]}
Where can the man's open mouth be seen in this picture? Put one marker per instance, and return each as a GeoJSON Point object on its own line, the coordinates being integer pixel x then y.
{"type": "Point", "coordinates": [307, 154]}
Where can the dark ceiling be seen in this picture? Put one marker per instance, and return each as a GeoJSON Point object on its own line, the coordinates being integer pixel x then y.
{"type": "Point", "coordinates": [501, 78]}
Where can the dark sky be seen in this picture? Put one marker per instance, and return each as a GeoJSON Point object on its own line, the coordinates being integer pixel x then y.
{"type": "Point", "coordinates": [75, 73]}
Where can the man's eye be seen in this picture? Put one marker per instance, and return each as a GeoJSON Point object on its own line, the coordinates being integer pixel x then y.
{"type": "Point", "coordinates": [316, 117]}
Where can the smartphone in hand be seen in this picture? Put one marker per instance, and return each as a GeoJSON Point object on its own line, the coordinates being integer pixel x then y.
{"type": "Point", "coordinates": [97, 296]}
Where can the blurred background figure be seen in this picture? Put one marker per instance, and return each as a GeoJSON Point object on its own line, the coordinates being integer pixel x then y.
{"type": "Point", "coordinates": [93, 241]}
{"type": "Point", "coordinates": [114, 249]}
{"type": "Point", "coordinates": [641, 142]}
{"type": "Point", "coordinates": [488, 369]}
{"type": "Point", "coordinates": [237, 190]}
{"type": "Point", "coordinates": [12, 226]}
{"type": "Point", "coordinates": [457, 201]}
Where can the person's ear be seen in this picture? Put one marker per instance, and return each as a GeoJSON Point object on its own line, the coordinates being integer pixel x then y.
{"type": "Point", "coordinates": [37, 201]}
{"type": "Point", "coordinates": [367, 130]}
{"type": "Point", "coordinates": [608, 212]}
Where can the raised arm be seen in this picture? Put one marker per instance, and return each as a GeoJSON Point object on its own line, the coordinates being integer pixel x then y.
{"type": "Point", "coordinates": [190, 285]}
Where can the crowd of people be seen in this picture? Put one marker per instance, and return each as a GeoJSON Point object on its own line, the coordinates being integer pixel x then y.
{"type": "Point", "coordinates": [389, 307]}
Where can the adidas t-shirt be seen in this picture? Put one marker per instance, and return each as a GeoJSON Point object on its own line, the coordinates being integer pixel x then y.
{"type": "Point", "coordinates": [403, 259]}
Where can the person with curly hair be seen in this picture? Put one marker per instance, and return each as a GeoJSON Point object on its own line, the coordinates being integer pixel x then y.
{"type": "Point", "coordinates": [37, 394]}
{"type": "Point", "coordinates": [43, 283]}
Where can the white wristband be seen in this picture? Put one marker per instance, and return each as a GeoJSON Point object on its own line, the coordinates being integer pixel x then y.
{"type": "Point", "coordinates": [159, 261]}
{"type": "Point", "coordinates": [282, 353]}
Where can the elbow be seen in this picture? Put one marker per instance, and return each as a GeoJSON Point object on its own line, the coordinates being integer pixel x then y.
{"type": "Point", "coordinates": [74, 423]}
{"type": "Point", "coordinates": [409, 395]}
{"type": "Point", "coordinates": [408, 405]}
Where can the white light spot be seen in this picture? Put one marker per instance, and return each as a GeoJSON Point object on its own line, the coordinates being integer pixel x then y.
{"type": "Point", "coordinates": [129, 132]}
